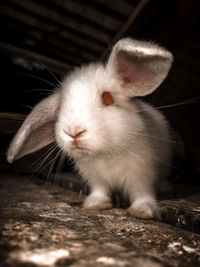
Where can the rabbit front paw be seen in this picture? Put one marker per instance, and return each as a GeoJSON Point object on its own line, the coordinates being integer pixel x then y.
{"type": "Point", "coordinates": [96, 202]}
{"type": "Point", "coordinates": [144, 209]}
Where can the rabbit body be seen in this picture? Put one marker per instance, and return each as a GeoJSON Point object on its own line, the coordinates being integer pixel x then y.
{"type": "Point", "coordinates": [117, 141]}
{"type": "Point", "coordinates": [134, 169]}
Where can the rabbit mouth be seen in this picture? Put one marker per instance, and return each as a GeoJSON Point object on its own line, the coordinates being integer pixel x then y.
{"type": "Point", "coordinates": [77, 147]}
{"type": "Point", "coordinates": [78, 144]}
{"type": "Point", "coordinates": [79, 152]}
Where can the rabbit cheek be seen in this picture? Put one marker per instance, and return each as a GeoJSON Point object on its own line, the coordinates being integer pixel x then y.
{"type": "Point", "coordinates": [62, 142]}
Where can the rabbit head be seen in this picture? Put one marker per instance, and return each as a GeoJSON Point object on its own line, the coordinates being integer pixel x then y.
{"type": "Point", "coordinates": [91, 113]}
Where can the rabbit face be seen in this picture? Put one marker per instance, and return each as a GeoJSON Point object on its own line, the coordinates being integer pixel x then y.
{"type": "Point", "coordinates": [94, 118]}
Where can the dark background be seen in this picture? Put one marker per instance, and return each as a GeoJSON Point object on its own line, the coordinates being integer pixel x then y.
{"type": "Point", "coordinates": [172, 24]}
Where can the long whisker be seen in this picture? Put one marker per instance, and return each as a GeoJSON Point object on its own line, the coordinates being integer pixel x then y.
{"type": "Point", "coordinates": [45, 158]}
{"type": "Point", "coordinates": [52, 163]}
{"type": "Point", "coordinates": [154, 136]}
{"type": "Point", "coordinates": [48, 163]}
{"type": "Point", "coordinates": [38, 89]}
{"type": "Point", "coordinates": [60, 165]}
{"type": "Point", "coordinates": [36, 77]}
{"type": "Point", "coordinates": [45, 66]}
{"type": "Point", "coordinates": [186, 102]}
{"type": "Point", "coordinates": [154, 159]}
{"type": "Point", "coordinates": [49, 151]}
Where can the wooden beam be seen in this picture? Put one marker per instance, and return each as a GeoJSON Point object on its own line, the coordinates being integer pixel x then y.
{"type": "Point", "coordinates": [51, 33]}
{"type": "Point", "coordinates": [137, 10]}
{"type": "Point", "coordinates": [12, 116]}
{"type": "Point", "coordinates": [65, 18]}
{"type": "Point", "coordinates": [120, 9]}
{"type": "Point", "coordinates": [90, 14]}
{"type": "Point", "coordinates": [45, 44]}
{"type": "Point", "coordinates": [54, 64]}
{"type": "Point", "coordinates": [10, 123]}
{"type": "Point", "coordinates": [47, 24]}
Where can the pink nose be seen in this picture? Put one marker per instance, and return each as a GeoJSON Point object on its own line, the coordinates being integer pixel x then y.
{"type": "Point", "coordinates": [76, 134]}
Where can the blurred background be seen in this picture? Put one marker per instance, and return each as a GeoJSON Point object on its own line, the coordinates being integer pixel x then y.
{"type": "Point", "coordinates": [41, 41]}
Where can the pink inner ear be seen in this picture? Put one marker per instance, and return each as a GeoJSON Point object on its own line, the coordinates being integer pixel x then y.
{"type": "Point", "coordinates": [38, 138]}
{"type": "Point", "coordinates": [129, 68]}
{"type": "Point", "coordinates": [44, 132]}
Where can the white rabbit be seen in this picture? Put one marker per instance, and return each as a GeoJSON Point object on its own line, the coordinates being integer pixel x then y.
{"type": "Point", "coordinates": [116, 140]}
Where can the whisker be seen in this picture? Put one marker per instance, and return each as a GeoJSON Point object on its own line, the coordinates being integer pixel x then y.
{"type": "Point", "coordinates": [52, 162]}
{"type": "Point", "coordinates": [38, 89]}
{"type": "Point", "coordinates": [170, 165]}
{"type": "Point", "coordinates": [154, 136]}
{"type": "Point", "coordinates": [56, 156]}
{"type": "Point", "coordinates": [49, 151]}
{"type": "Point", "coordinates": [45, 158]}
{"type": "Point", "coordinates": [62, 160]}
{"type": "Point", "coordinates": [27, 106]}
{"type": "Point", "coordinates": [36, 77]}
{"type": "Point", "coordinates": [186, 102]}
{"type": "Point", "coordinates": [45, 66]}
{"type": "Point", "coordinates": [58, 167]}
{"type": "Point", "coordinates": [50, 169]}
{"type": "Point", "coordinates": [154, 159]}
{"type": "Point", "coordinates": [47, 164]}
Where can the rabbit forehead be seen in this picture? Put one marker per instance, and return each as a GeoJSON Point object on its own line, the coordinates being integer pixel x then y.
{"type": "Point", "coordinates": [85, 85]}
{"type": "Point", "coordinates": [81, 91]}
{"type": "Point", "coordinates": [91, 78]}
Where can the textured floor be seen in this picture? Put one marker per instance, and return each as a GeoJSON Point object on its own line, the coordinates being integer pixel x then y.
{"type": "Point", "coordinates": [45, 225]}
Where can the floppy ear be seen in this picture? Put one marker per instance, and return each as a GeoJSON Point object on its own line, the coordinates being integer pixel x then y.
{"type": "Point", "coordinates": [140, 67]}
{"type": "Point", "coordinates": [37, 130]}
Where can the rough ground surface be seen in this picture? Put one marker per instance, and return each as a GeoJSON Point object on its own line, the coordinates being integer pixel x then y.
{"type": "Point", "coordinates": [45, 225]}
{"type": "Point", "coordinates": [180, 205]}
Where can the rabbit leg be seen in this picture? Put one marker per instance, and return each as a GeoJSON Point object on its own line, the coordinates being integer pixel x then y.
{"type": "Point", "coordinates": [98, 199]}
{"type": "Point", "coordinates": [143, 202]}
{"type": "Point", "coordinates": [145, 208]}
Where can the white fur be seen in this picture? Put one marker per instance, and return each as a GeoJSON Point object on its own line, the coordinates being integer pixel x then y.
{"type": "Point", "coordinates": [124, 146]}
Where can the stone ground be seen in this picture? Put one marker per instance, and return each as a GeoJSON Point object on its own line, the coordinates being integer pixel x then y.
{"type": "Point", "coordinates": [43, 224]}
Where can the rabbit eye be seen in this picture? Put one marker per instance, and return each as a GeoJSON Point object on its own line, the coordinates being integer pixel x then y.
{"type": "Point", "coordinates": [107, 99]}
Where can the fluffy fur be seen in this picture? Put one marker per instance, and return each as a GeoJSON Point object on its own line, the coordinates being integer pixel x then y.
{"type": "Point", "coordinates": [123, 146]}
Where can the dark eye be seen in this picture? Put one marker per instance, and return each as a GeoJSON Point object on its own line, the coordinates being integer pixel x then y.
{"type": "Point", "coordinates": [107, 99]}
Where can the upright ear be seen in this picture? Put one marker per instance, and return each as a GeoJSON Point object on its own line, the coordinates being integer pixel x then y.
{"type": "Point", "coordinates": [37, 130]}
{"type": "Point", "coordinates": [140, 67]}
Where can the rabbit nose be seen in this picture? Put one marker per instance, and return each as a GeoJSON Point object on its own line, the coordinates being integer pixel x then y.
{"type": "Point", "coordinates": [76, 134]}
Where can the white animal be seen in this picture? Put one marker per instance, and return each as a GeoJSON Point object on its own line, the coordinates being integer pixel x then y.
{"type": "Point", "coordinates": [116, 140]}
